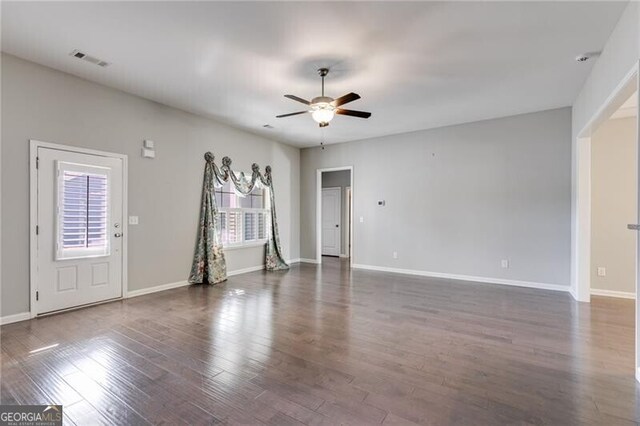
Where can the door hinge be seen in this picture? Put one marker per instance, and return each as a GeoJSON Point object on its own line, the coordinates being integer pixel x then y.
{"type": "Point", "coordinates": [37, 230]}
{"type": "Point", "coordinates": [37, 162]}
{"type": "Point", "coordinates": [37, 295]}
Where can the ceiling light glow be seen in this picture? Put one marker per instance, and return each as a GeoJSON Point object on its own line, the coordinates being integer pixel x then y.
{"type": "Point", "coordinates": [323, 113]}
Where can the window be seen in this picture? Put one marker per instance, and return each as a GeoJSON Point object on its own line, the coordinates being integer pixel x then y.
{"type": "Point", "coordinates": [82, 211]}
{"type": "Point", "coordinates": [244, 220]}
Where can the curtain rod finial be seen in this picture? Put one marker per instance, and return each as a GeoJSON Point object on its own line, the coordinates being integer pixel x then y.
{"type": "Point", "coordinates": [208, 156]}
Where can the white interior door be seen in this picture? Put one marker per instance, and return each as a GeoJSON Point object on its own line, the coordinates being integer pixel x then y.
{"type": "Point", "coordinates": [79, 229]}
{"type": "Point", "coordinates": [331, 221]}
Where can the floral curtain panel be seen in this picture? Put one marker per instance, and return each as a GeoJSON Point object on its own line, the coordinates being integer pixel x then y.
{"type": "Point", "coordinates": [209, 263]}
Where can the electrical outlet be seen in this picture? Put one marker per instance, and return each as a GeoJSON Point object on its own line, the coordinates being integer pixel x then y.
{"type": "Point", "coordinates": [395, 254]}
{"type": "Point", "coordinates": [602, 271]}
{"type": "Point", "coordinates": [361, 219]}
{"type": "Point", "coordinates": [505, 263]}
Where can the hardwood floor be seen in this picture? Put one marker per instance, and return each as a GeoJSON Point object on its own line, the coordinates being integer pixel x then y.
{"type": "Point", "coordinates": [331, 346]}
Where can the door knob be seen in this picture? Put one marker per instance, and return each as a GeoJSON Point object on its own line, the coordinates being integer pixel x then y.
{"type": "Point", "coordinates": [117, 235]}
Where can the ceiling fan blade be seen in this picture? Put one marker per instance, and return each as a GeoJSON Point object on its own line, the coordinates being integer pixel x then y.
{"type": "Point", "coordinates": [352, 113]}
{"type": "Point", "coordinates": [290, 114]}
{"type": "Point", "coordinates": [349, 97]}
{"type": "Point", "coordinates": [295, 98]}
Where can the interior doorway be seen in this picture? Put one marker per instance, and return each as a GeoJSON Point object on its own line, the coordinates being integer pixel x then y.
{"type": "Point", "coordinates": [334, 213]}
{"type": "Point", "coordinates": [614, 203]}
{"type": "Point", "coordinates": [581, 251]}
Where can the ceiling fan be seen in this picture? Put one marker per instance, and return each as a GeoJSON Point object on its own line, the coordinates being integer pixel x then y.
{"type": "Point", "coordinates": [323, 108]}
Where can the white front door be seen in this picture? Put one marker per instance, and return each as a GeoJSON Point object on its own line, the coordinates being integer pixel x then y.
{"type": "Point", "coordinates": [79, 229]}
{"type": "Point", "coordinates": [331, 221]}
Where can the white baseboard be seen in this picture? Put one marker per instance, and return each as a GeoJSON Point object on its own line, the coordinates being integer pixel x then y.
{"type": "Point", "coordinates": [303, 260]}
{"type": "Point", "coordinates": [572, 292]}
{"type": "Point", "coordinates": [155, 289]}
{"type": "Point", "coordinates": [612, 293]}
{"type": "Point", "coordinates": [245, 270]}
{"type": "Point", "coordinates": [169, 286]}
{"type": "Point", "coordinates": [23, 316]}
{"type": "Point", "coordinates": [256, 268]}
{"type": "Point", "coordinates": [501, 281]}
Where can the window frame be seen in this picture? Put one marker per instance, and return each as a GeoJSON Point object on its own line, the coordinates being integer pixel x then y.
{"type": "Point", "coordinates": [243, 242]}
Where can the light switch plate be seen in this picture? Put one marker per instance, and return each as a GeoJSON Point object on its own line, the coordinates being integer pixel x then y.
{"type": "Point", "coordinates": [602, 271]}
{"type": "Point", "coordinates": [149, 144]}
{"type": "Point", "coordinates": [148, 153]}
{"type": "Point", "coordinates": [505, 263]}
{"type": "Point", "coordinates": [133, 220]}
{"type": "Point", "coordinates": [361, 219]}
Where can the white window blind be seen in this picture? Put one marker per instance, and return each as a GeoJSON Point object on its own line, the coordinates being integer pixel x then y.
{"type": "Point", "coordinates": [263, 224]}
{"type": "Point", "coordinates": [234, 230]}
{"type": "Point", "coordinates": [250, 226]}
{"type": "Point", "coordinates": [82, 211]}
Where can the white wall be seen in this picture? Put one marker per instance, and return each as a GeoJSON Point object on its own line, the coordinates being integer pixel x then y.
{"type": "Point", "coordinates": [614, 204]}
{"type": "Point", "coordinates": [620, 54]}
{"type": "Point", "coordinates": [459, 199]}
{"type": "Point", "coordinates": [44, 104]}
{"type": "Point", "coordinates": [340, 179]}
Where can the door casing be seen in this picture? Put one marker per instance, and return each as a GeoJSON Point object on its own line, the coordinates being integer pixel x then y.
{"type": "Point", "coordinates": [33, 213]}
{"type": "Point", "coordinates": [319, 172]}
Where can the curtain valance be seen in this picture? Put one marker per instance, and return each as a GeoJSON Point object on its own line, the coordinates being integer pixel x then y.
{"type": "Point", "coordinates": [209, 265]}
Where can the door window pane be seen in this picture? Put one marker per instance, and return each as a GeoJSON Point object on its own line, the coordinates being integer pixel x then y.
{"type": "Point", "coordinates": [82, 212]}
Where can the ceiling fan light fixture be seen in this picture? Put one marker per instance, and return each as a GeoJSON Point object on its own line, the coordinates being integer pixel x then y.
{"type": "Point", "coordinates": [323, 113]}
{"type": "Point", "coordinates": [324, 108]}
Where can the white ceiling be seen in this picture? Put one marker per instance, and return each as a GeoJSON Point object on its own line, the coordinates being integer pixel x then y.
{"type": "Point", "coordinates": [416, 65]}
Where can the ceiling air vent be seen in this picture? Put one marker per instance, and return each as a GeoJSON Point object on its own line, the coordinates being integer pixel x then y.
{"type": "Point", "coordinates": [81, 55]}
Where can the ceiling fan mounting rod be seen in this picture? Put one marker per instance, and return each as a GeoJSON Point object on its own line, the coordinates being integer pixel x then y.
{"type": "Point", "coordinates": [323, 72]}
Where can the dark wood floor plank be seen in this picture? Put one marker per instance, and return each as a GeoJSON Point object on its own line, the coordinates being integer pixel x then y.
{"type": "Point", "coordinates": [328, 345]}
{"type": "Point", "coordinates": [103, 401]}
